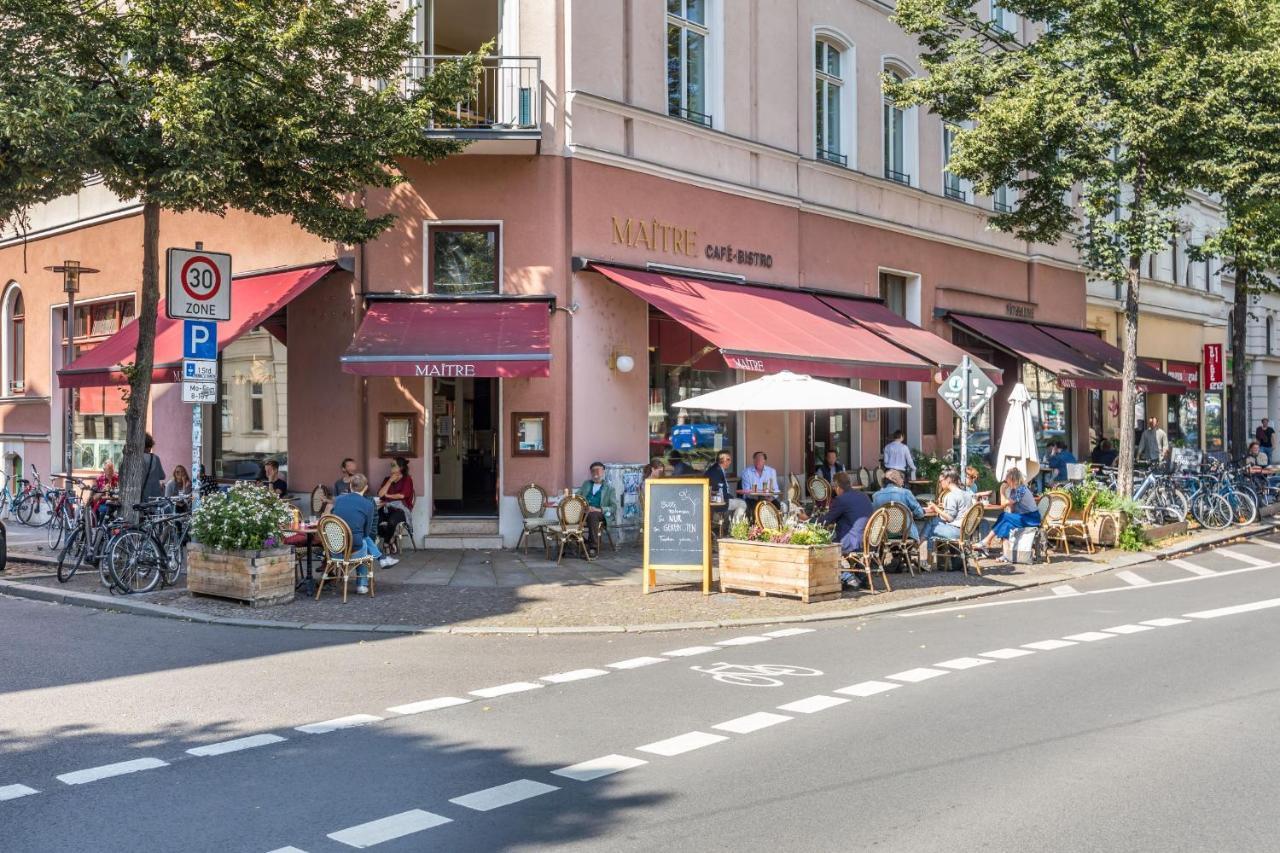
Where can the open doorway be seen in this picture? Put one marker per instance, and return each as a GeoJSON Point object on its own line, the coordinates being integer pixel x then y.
{"type": "Point", "coordinates": [465, 444]}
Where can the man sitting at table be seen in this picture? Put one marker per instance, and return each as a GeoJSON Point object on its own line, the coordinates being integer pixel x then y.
{"type": "Point", "coordinates": [718, 476]}
{"type": "Point", "coordinates": [759, 478]}
{"type": "Point", "coordinates": [358, 511]}
{"type": "Point", "coordinates": [849, 512]}
{"type": "Point", "coordinates": [600, 501]}
{"type": "Point", "coordinates": [830, 467]}
{"type": "Point", "coordinates": [1059, 458]}
{"type": "Point", "coordinates": [895, 492]}
{"type": "Point", "coordinates": [1104, 454]}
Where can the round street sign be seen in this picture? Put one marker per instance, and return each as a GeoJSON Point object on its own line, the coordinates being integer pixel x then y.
{"type": "Point", "coordinates": [199, 285]}
{"type": "Point", "coordinates": [201, 278]}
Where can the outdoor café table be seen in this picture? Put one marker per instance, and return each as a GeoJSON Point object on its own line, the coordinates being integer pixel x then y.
{"type": "Point", "coordinates": [305, 535]}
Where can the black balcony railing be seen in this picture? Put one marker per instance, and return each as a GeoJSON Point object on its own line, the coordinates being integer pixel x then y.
{"type": "Point", "coordinates": [689, 115]}
{"type": "Point", "coordinates": [833, 157]}
{"type": "Point", "coordinates": [505, 97]}
{"type": "Point", "coordinates": [1002, 207]}
{"type": "Point", "coordinates": [899, 177]}
{"type": "Point", "coordinates": [954, 192]}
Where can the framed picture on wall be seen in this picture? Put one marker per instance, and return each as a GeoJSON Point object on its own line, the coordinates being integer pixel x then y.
{"type": "Point", "coordinates": [529, 433]}
{"type": "Point", "coordinates": [398, 434]}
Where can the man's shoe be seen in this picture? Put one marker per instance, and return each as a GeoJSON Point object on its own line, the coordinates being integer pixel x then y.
{"type": "Point", "coordinates": [388, 562]}
{"type": "Point", "coordinates": [362, 589]}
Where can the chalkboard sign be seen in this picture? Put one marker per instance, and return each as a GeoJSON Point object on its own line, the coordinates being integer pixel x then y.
{"type": "Point", "coordinates": [677, 528]}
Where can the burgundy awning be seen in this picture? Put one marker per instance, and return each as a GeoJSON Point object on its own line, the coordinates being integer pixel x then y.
{"type": "Point", "coordinates": [767, 330]}
{"type": "Point", "coordinates": [448, 337]}
{"type": "Point", "coordinates": [1150, 378]}
{"type": "Point", "coordinates": [1073, 368]}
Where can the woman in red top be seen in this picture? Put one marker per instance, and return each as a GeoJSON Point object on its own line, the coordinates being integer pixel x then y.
{"type": "Point", "coordinates": [396, 495]}
{"type": "Point", "coordinates": [108, 481]}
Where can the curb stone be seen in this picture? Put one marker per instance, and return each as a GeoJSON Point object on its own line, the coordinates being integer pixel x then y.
{"type": "Point", "coordinates": [141, 608]}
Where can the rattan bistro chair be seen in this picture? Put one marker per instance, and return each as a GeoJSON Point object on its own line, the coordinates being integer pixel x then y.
{"type": "Point", "coordinates": [321, 499]}
{"type": "Point", "coordinates": [962, 547]}
{"type": "Point", "coordinates": [571, 525]}
{"type": "Point", "coordinates": [768, 517]}
{"type": "Point", "coordinates": [1078, 525]}
{"type": "Point", "coordinates": [900, 541]}
{"type": "Point", "coordinates": [338, 543]}
{"type": "Point", "coordinates": [820, 492]}
{"type": "Point", "coordinates": [1053, 521]}
{"type": "Point", "coordinates": [874, 544]}
{"type": "Point", "coordinates": [864, 478]}
{"type": "Point", "coordinates": [533, 512]}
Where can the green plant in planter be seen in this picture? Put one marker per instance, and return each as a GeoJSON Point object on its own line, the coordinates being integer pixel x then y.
{"type": "Point", "coordinates": [928, 467]}
{"type": "Point", "coordinates": [1132, 538]}
{"type": "Point", "coordinates": [800, 534]}
{"type": "Point", "coordinates": [249, 517]}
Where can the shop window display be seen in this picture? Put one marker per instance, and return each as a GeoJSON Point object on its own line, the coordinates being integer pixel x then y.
{"type": "Point", "coordinates": [1214, 422]}
{"type": "Point", "coordinates": [1050, 407]}
{"type": "Point", "coordinates": [683, 366]}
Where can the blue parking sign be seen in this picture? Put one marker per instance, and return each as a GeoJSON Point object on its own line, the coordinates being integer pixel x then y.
{"type": "Point", "coordinates": [200, 340]}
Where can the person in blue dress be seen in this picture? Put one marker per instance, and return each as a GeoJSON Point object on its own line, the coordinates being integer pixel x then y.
{"type": "Point", "coordinates": [1019, 507]}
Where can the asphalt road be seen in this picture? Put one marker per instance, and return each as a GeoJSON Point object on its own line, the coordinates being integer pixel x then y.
{"type": "Point", "coordinates": [1128, 712]}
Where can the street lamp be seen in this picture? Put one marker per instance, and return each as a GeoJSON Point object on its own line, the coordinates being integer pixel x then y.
{"type": "Point", "coordinates": [71, 272]}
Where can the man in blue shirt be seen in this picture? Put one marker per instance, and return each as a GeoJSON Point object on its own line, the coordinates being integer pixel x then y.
{"type": "Point", "coordinates": [849, 512]}
{"type": "Point", "coordinates": [895, 492]}
{"type": "Point", "coordinates": [897, 456]}
{"type": "Point", "coordinates": [361, 516]}
{"type": "Point", "coordinates": [1060, 457]}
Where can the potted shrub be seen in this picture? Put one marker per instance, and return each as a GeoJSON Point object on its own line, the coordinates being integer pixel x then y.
{"type": "Point", "coordinates": [802, 561]}
{"type": "Point", "coordinates": [238, 548]}
{"type": "Point", "coordinates": [1111, 513]}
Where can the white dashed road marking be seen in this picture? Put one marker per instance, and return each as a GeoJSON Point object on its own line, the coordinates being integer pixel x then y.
{"type": "Point", "coordinates": [1240, 556]}
{"type": "Point", "coordinates": [912, 676]}
{"type": "Point", "coordinates": [12, 792]}
{"type": "Point", "coordinates": [1006, 654]}
{"type": "Point", "coordinates": [741, 641]}
{"type": "Point", "coordinates": [1089, 636]}
{"type": "Point", "coordinates": [340, 723]}
{"type": "Point", "coordinates": [1165, 622]}
{"type": "Point", "coordinates": [635, 663]}
{"type": "Point", "coordinates": [1065, 589]}
{"type": "Point", "coordinates": [1188, 566]}
{"type": "Point", "coordinates": [429, 705]}
{"type": "Point", "coordinates": [1265, 544]}
{"type": "Point", "coordinates": [789, 632]}
{"type": "Point", "coordinates": [962, 663]}
{"type": "Point", "coordinates": [606, 765]}
{"type": "Point", "coordinates": [503, 795]}
{"type": "Point", "coordinates": [288, 850]}
{"type": "Point", "coordinates": [106, 771]}
{"type": "Point", "coordinates": [1231, 611]}
{"type": "Point", "coordinates": [813, 704]}
{"type": "Point", "coordinates": [235, 745]}
{"type": "Point", "coordinates": [690, 650]}
{"type": "Point", "coordinates": [1133, 580]}
{"type": "Point", "coordinates": [504, 689]}
{"type": "Point", "coordinates": [681, 743]}
{"type": "Point", "coordinates": [751, 723]}
{"type": "Point", "coordinates": [1048, 645]}
{"type": "Point", "coordinates": [574, 675]}
{"type": "Point", "coordinates": [1128, 629]}
{"type": "Point", "coordinates": [388, 828]}
{"type": "Point", "coordinates": [867, 688]}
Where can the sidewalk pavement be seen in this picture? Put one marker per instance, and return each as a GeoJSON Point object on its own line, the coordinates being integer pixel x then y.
{"type": "Point", "coordinates": [505, 591]}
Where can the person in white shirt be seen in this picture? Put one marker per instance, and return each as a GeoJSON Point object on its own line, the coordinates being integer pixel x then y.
{"type": "Point", "coordinates": [897, 456]}
{"type": "Point", "coordinates": [759, 478]}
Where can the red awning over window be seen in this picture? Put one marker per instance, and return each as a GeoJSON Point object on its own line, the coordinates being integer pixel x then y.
{"type": "Point", "coordinates": [254, 298]}
{"type": "Point", "coordinates": [453, 337]}
{"type": "Point", "coordinates": [1073, 368]}
{"type": "Point", "coordinates": [766, 330]}
{"type": "Point", "coordinates": [1150, 379]}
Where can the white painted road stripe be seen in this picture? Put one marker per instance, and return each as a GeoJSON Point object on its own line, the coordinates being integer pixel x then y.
{"type": "Point", "coordinates": [681, 743]}
{"type": "Point", "coordinates": [1006, 654]}
{"type": "Point", "coordinates": [1048, 645]}
{"type": "Point", "coordinates": [962, 663]}
{"type": "Point", "coordinates": [106, 771]}
{"type": "Point", "coordinates": [1089, 636]}
{"type": "Point", "coordinates": [912, 676]}
{"type": "Point", "coordinates": [503, 795]}
{"type": "Point", "coordinates": [1242, 557]}
{"type": "Point", "coordinates": [867, 688]}
{"type": "Point", "coordinates": [635, 663]}
{"type": "Point", "coordinates": [288, 850]}
{"type": "Point", "coordinates": [1133, 580]}
{"type": "Point", "coordinates": [340, 723]}
{"type": "Point", "coordinates": [1165, 622]}
{"type": "Point", "coordinates": [813, 704]}
{"type": "Point", "coordinates": [751, 723]}
{"type": "Point", "coordinates": [429, 705]}
{"type": "Point", "coordinates": [605, 765]}
{"type": "Point", "coordinates": [574, 675]}
{"type": "Point", "coordinates": [388, 828]}
{"type": "Point", "coordinates": [789, 632]}
{"type": "Point", "coordinates": [690, 650]}
{"type": "Point", "coordinates": [504, 689]}
{"type": "Point", "coordinates": [1065, 589]}
{"type": "Point", "coordinates": [742, 641]}
{"type": "Point", "coordinates": [1188, 566]}
{"type": "Point", "coordinates": [235, 745]}
{"type": "Point", "coordinates": [12, 792]}
{"type": "Point", "coordinates": [1265, 544]}
{"type": "Point", "coordinates": [1128, 629]}
{"type": "Point", "coordinates": [1231, 611]}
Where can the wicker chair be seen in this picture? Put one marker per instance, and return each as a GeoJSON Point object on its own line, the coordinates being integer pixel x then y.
{"type": "Point", "coordinates": [962, 547]}
{"type": "Point", "coordinates": [874, 543]}
{"type": "Point", "coordinates": [338, 543]}
{"type": "Point", "coordinates": [820, 491]}
{"type": "Point", "coordinates": [533, 512]}
{"type": "Point", "coordinates": [1078, 525]}
{"type": "Point", "coordinates": [1053, 520]}
{"type": "Point", "coordinates": [321, 499]}
{"type": "Point", "coordinates": [768, 516]}
{"type": "Point", "coordinates": [900, 540]}
{"type": "Point", "coordinates": [571, 526]}
{"type": "Point", "coordinates": [864, 478]}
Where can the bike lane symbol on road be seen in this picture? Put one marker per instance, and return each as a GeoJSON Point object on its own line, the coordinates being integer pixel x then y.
{"type": "Point", "coordinates": [757, 675]}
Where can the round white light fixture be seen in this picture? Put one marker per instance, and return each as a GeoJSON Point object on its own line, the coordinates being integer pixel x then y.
{"type": "Point", "coordinates": [625, 363]}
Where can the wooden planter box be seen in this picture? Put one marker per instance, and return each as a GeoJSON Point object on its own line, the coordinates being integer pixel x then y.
{"type": "Point", "coordinates": [810, 572]}
{"type": "Point", "coordinates": [257, 578]}
{"type": "Point", "coordinates": [1105, 526]}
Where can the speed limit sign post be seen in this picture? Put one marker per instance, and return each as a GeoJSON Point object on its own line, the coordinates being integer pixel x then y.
{"type": "Point", "coordinates": [199, 285]}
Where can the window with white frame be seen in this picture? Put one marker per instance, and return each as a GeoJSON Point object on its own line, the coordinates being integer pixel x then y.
{"type": "Point", "coordinates": [1002, 18]}
{"type": "Point", "coordinates": [15, 347]}
{"type": "Point", "coordinates": [1002, 201]}
{"type": "Point", "coordinates": [829, 96]}
{"type": "Point", "coordinates": [952, 185]}
{"type": "Point", "coordinates": [899, 137]}
{"type": "Point", "coordinates": [688, 45]}
{"type": "Point", "coordinates": [1270, 333]}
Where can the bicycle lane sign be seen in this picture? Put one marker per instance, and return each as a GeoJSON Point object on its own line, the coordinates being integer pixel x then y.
{"type": "Point", "coordinates": [755, 675]}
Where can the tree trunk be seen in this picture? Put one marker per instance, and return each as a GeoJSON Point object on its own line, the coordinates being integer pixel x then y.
{"type": "Point", "coordinates": [1238, 417]}
{"type": "Point", "coordinates": [1129, 387]}
{"type": "Point", "coordinates": [133, 469]}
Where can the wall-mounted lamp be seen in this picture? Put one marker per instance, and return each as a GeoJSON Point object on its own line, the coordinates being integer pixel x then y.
{"type": "Point", "coordinates": [621, 363]}
{"type": "Point", "coordinates": [571, 309]}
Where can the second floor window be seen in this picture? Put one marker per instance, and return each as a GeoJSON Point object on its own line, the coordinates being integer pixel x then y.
{"type": "Point", "coordinates": [463, 259]}
{"type": "Point", "coordinates": [952, 186]}
{"type": "Point", "coordinates": [1002, 201]}
{"type": "Point", "coordinates": [1002, 18]}
{"type": "Point", "coordinates": [895, 139]}
{"type": "Point", "coordinates": [17, 354]}
{"type": "Point", "coordinates": [687, 37]}
{"type": "Point", "coordinates": [828, 86]}
{"type": "Point", "coordinates": [1270, 332]}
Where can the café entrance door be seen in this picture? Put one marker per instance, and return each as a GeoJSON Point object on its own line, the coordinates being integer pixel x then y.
{"type": "Point", "coordinates": [825, 431]}
{"type": "Point", "coordinates": [465, 443]}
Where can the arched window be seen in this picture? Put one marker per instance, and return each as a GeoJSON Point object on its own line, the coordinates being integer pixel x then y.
{"type": "Point", "coordinates": [899, 136]}
{"type": "Point", "coordinates": [829, 76]}
{"type": "Point", "coordinates": [15, 342]}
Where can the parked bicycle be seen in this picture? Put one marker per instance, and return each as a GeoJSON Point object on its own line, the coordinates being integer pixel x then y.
{"type": "Point", "coordinates": [153, 552]}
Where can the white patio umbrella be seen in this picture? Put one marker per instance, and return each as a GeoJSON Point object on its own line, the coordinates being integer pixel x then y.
{"type": "Point", "coordinates": [787, 392]}
{"type": "Point", "coordinates": [1018, 439]}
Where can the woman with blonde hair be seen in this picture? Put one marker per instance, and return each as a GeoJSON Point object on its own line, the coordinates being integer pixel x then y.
{"type": "Point", "coordinates": [1020, 510]}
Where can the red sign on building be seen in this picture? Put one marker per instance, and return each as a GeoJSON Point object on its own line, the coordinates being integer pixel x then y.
{"type": "Point", "coordinates": [1185, 372]}
{"type": "Point", "coordinates": [1213, 367]}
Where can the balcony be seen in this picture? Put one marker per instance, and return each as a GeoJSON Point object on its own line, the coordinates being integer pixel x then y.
{"type": "Point", "coordinates": [502, 114]}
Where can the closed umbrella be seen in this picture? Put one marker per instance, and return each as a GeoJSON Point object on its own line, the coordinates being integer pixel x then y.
{"type": "Point", "coordinates": [1018, 440]}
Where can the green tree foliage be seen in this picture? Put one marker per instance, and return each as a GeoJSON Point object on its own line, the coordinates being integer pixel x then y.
{"type": "Point", "coordinates": [272, 107]}
{"type": "Point", "coordinates": [1112, 99]}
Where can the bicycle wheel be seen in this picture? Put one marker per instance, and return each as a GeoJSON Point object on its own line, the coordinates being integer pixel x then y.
{"type": "Point", "coordinates": [1211, 510]}
{"type": "Point", "coordinates": [25, 508]}
{"type": "Point", "coordinates": [137, 561]}
{"type": "Point", "coordinates": [57, 528]}
{"type": "Point", "coordinates": [72, 556]}
{"type": "Point", "coordinates": [175, 552]}
{"type": "Point", "coordinates": [1244, 509]}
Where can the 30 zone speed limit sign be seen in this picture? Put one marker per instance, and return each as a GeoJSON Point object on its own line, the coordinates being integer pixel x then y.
{"type": "Point", "coordinates": [199, 285]}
